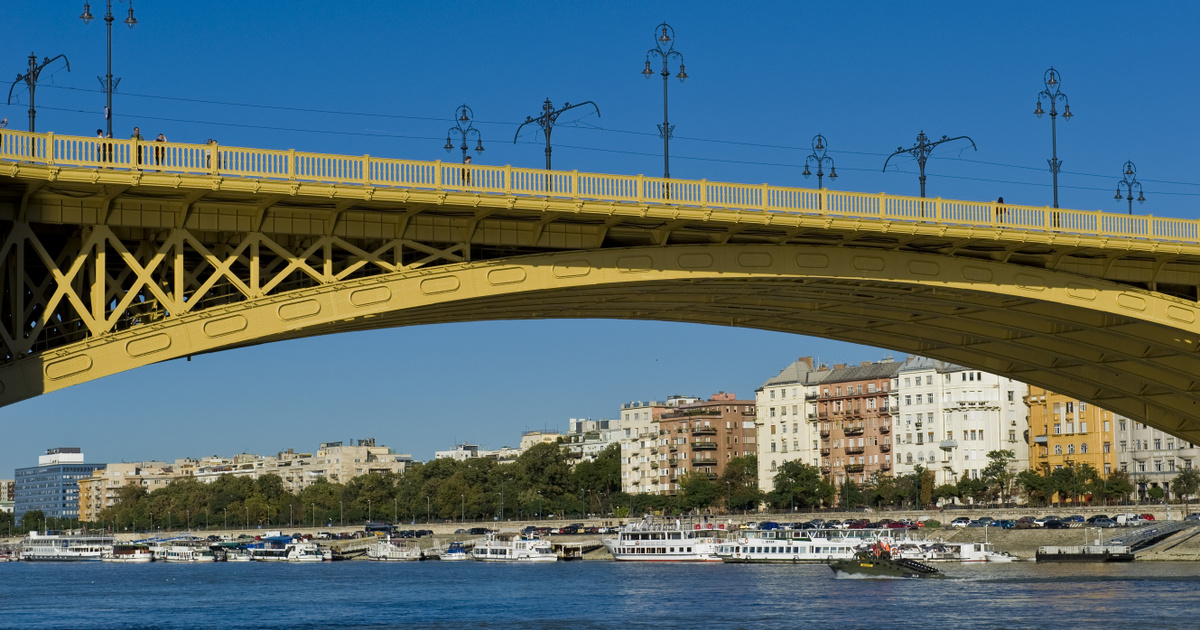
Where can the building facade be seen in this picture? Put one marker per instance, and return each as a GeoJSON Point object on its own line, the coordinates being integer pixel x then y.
{"type": "Point", "coordinates": [701, 438]}
{"type": "Point", "coordinates": [854, 421]}
{"type": "Point", "coordinates": [1066, 432]}
{"type": "Point", "coordinates": [639, 442]}
{"type": "Point", "coordinates": [1151, 457]}
{"type": "Point", "coordinates": [53, 485]}
{"type": "Point", "coordinates": [785, 416]}
{"type": "Point", "coordinates": [948, 418]}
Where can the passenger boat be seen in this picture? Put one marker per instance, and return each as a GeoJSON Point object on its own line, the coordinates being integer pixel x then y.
{"type": "Point", "coordinates": [304, 552]}
{"type": "Point", "coordinates": [398, 549]}
{"type": "Point", "coordinates": [672, 541]}
{"type": "Point", "coordinates": [128, 552]}
{"type": "Point", "coordinates": [514, 548]}
{"type": "Point", "coordinates": [237, 555]}
{"type": "Point", "coordinates": [190, 553]}
{"type": "Point", "coordinates": [876, 561]}
{"type": "Point", "coordinates": [939, 551]}
{"type": "Point", "coordinates": [796, 545]}
{"type": "Point", "coordinates": [9, 554]}
{"type": "Point", "coordinates": [1086, 553]}
{"type": "Point", "coordinates": [456, 551]}
{"type": "Point", "coordinates": [268, 554]}
{"type": "Point", "coordinates": [37, 547]}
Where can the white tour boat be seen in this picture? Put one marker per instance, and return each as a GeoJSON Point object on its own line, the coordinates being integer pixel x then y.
{"type": "Point", "coordinates": [514, 548]}
{"type": "Point", "coordinates": [796, 545]}
{"type": "Point", "coordinates": [304, 552]}
{"type": "Point", "coordinates": [455, 551]}
{"type": "Point", "coordinates": [128, 552]}
{"type": "Point", "coordinates": [190, 553]}
{"type": "Point", "coordinates": [672, 541]}
{"type": "Point", "coordinates": [64, 547]}
{"type": "Point", "coordinates": [237, 555]}
{"type": "Point", "coordinates": [394, 549]}
{"type": "Point", "coordinates": [940, 551]}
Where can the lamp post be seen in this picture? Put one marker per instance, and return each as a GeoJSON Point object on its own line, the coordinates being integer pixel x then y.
{"type": "Point", "coordinates": [108, 83]}
{"type": "Point", "coordinates": [920, 152]}
{"type": "Point", "coordinates": [395, 509]}
{"type": "Point", "coordinates": [368, 510]}
{"type": "Point", "coordinates": [31, 78]}
{"type": "Point", "coordinates": [247, 516]}
{"type": "Point", "coordinates": [428, 511]}
{"type": "Point", "coordinates": [225, 512]}
{"type": "Point", "coordinates": [1052, 92]}
{"type": "Point", "coordinates": [547, 119]}
{"type": "Point", "coordinates": [151, 521]}
{"type": "Point", "coordinates": [665, 49]}
{"type": "Point", "coordinates": [463, 500]}
{"type": "Point", "coordinates": [289, 514]}
{"type": "Point", "coordinates": [818, 156]}
{"type": "Point", "coordinates": [314, 510]}
{"type": "Point", "coordinates": [1129, 180]}
{"type": "Point", "coordinates": [463, 115]}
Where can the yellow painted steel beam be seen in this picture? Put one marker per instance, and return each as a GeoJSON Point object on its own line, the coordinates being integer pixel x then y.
{"type": "Point", "coordinates": [1132, 351]}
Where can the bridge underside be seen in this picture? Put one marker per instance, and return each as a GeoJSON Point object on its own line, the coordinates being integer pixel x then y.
{"type": "Point", "coordinates": [102, 274]}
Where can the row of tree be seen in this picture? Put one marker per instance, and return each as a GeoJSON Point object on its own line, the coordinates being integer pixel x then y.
{"type": "Point", "coordinates": [545, 480]}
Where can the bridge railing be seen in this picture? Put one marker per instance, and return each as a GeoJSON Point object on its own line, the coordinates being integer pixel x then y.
{"type": "Point", "coordinates": [217, 160]}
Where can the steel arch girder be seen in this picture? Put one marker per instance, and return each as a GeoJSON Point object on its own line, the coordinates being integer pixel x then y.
{"type": "Point", "coordinates": [1129, 350]}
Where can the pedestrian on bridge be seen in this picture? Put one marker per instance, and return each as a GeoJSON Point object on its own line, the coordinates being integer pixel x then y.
{"type": "Point", "coordinates": [158, 151]}
{"type": "Point", "coordinates": [1001, 211]}
{"type": "Point", "coordinates": [466, 171]}
{"type": "Point", "coordinates": [137, 138]}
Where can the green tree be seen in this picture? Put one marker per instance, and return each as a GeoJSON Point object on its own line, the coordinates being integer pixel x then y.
{"type": "Point", "coordinates": [1186, 484]}
{"type": "Point", "coordinates": [850, 495]}
{"type": "Point", "coordinates": [800, 485]}
{"type": "Point", "coordinates": [1037, 487]}
{"type": "Point", "coordinates": [881, 489]}
{"type": "Point", "coordinates": [739, 482]}
{"type": "Point", "coordinates": [33, 519]}
{"type": "Point", "coordinates": [946, 492]}
{"type": "Point", "coordinates": [999, 476]}
{"type": "Point", "coordinates": [1156, 493]}
{"type": "Point", "coordinates": [697, 491]}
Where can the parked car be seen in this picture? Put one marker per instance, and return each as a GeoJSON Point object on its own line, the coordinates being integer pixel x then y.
{"type": "Point", "coordinates": [1095, 517]}
{"type": "Point", "coordinates": [1104, 521]}
{"type": "Point", "coordinates": [960, 522]}
{"type": "Point", "coordinates": [1057, 525]}
{"type": "Point", "coordinates": [1006, 523]}
{"type": "Point", "coordinates": [1194, 516]}
{"type": "Point", "coordinates": [1147, 517]}
{"type": "Point", "coordinates": [478, 531]}
{"type": "Point", "coordinates": [1074, 518]}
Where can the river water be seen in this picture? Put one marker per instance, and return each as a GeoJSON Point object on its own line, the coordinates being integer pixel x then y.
{"type": "Point", "coordinates": [585, 595]}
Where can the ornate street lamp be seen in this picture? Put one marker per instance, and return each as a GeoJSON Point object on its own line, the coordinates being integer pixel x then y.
{"type": "Point", "coordinates": [1129, 180]}
{"type": "Point", "coordinates": [547, 119]}
{"type": "Point", "coordinates": [818, 156]}
{"type": "Point", "coordinates": [464, 128]}
{"type": "Point", "coordinates": [107, 82]}
{"type": "Point", "coordinates": [31, 78]}
{"type": "Point", "coordinates": [921, 150]}
{"type": "Point", "coordinates": [1052, 92]}
{"type": "Point", "coordinates": [665, 49]}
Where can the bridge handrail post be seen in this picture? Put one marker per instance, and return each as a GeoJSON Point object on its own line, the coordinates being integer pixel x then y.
{"type": "Point", "coordinates": [508, 187]}
{"type": "Point", "coordinates": [291, 166]}
{"type": "Point", "coordinates": [575, 184]}
{"type": "Point", "coordinates": [366, 170]}
{"type": "Point", "coordinates": [437, 174]}
{"type": "Point", "coordinates": [641, 192]}
{"type": "Point", "coordinates": [823, 198]}
{"type": "Point", "coordinates": [883, 205]}
{"type": "Point", "coordinates": [764, 197]}
{"type": "Point", "coordinates": [704, 193]}
{"type": "Point", "coordinates": [937, 210]}
{"type": "Point", "coordinates": [49, 148]}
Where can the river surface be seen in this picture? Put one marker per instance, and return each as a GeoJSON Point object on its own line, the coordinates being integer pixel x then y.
{"type": "Point", "coordinates": [585, 595]}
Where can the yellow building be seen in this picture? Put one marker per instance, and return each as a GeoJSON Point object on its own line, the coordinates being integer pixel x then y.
{"type": "Point", "coordinates": [1065, 432]}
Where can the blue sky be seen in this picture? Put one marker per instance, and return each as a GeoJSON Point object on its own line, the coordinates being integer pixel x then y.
{"type": "Point", "coordinates": [384, 78]}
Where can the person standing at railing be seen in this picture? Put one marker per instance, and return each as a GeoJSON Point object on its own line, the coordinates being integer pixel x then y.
{"type": "Point", "coordinates": [103, 149]}
{"type": "Point", "coordinates": [1001, 211]}
{"type": "Point", "coordinates": [158, 150]}
{"type": "Point", "coordinates": [137, 141]}
{"type": "Point", "coordinates": [466, 171]}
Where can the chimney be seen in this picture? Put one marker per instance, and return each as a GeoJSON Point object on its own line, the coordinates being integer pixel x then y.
{"type": "Point", "coordinates": [806, 361]}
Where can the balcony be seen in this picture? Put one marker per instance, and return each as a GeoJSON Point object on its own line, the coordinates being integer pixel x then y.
{"type": "Point", "coordinates": [885, 466]}
{"type": "Point", "coordinates": [825, 452]}
{"type": "Point", "coordinates": [854, 431]}
{"type": "Point", "coordinates": [824, 433]}
{"type": "Point", "coordinates": [855, 450]}
{"type": "Point", "coordinates": [1039, 439]}
{"type": "Point", "coordinates": [947, 445]}
{"type": "Point", "coordinates": [704, 446]}
{"type": "Point", "coordinates": [854, 468]}
{"type": "Point", "coordinates": [704, 431]}
{"type": "Point", "coordinates": [886, 448]}
{"type": "Point", "coordinates": [824, 470]}
{"type": "Point", "coordinates": [704, 462]}
{"type": "Point", "coordinates": [654, 464]}
{"type": "Point", "coordinates": [885, 429]}
{"type": "Point", "coordinates": [673, 462]}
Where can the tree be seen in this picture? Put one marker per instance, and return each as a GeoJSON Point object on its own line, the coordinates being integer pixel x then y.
{"type": "Point", "coordinates": [974, 489]}
{"type": "Point", "coordinates": [740, 483]}
{"type": "Point", "coordinates": [1186, 483]}
{"type": "Point", "coordinates": [1037, 488]}
{"type": "Point", "coordinates": [697, 491]}
{"type": "Point", "coordinates": [1156, 493]}
{"type": "Point", "coordinates": [32, 519]}
{"type": "Point", "coordinates": [998, 474]}
{"type": "Point", "coordinates": [851, 495]}
{"type": "Point", "coordinates": [800, 485]}
{"type": "Point", "coordinates": [881, 489]}
{"type": "Point", "coordinates": [945, 492]}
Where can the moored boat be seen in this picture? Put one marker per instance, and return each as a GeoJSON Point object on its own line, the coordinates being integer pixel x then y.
{"type": "Point", "coordinates": [455, 551]}
{"type": "Point", "coordinates": [394, 550]}
{"type": "Point", "coordinates": [37, 547]}
{"type": "Point", "coordinates": [304, 552]}
{"type": "Point", "coordinates": [671, 541]}
{"type": "Point", "coordinates": [514, 548]}
{"type": "Point", "coordinates": [190, 553]}
{"type": "Point", "coordinates": [128, 552]}
{"type": "Point", "coordinates": [796, 545]}
{"type": "Point", "coordinates": [1085, 553]}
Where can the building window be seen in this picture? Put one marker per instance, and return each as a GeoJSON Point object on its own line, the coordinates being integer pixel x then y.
{"type": "Point", "coordinates": [1070, 449]}
{"type": "Point", "coordinates": [1058, 449]}
{"type": "Point", "coordinates": [1010, 396]}
{"type": "Point", "coordinates": [1083, 448]}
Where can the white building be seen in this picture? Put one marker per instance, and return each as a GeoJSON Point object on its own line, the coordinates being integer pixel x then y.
{"type": "Point", "coordinates": [588, 438]}
{"type": "Point", "coordinates": [463, 452]}
{"type": "Point", "coordinates": [1151, 457]}
{"type": "Point", "coordinates": [950, 417]}
{"type": "Point", "coordinates": [639, 437]}
{"type": "Point", "coordinates": [785, 422]}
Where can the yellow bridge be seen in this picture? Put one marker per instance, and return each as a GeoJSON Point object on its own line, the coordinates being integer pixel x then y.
{"type": "Point", "coordinates": [116, 254]}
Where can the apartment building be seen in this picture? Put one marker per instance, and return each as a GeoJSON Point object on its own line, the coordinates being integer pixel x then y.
{"type": "Point", "coordinates": [639, 442]}
{"type": "Point", "coordinates": [102, 489]}
{"type": "Point", "coordinates": [1066, 432]}
{"type": "Point", "coordinates": [854, 420]}
{"type": "Point", "coordinates": [785, 415]}
{"type": "Point", "coordinates": [701, 438]}
{"type": "Point", "coordinates": [1151, 457]}
{"type": "Point", "coordinates": [948, 418]}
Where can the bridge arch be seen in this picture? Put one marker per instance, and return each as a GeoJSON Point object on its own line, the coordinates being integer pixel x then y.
{"type": "Point", "coordinates": [1129, 350]}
